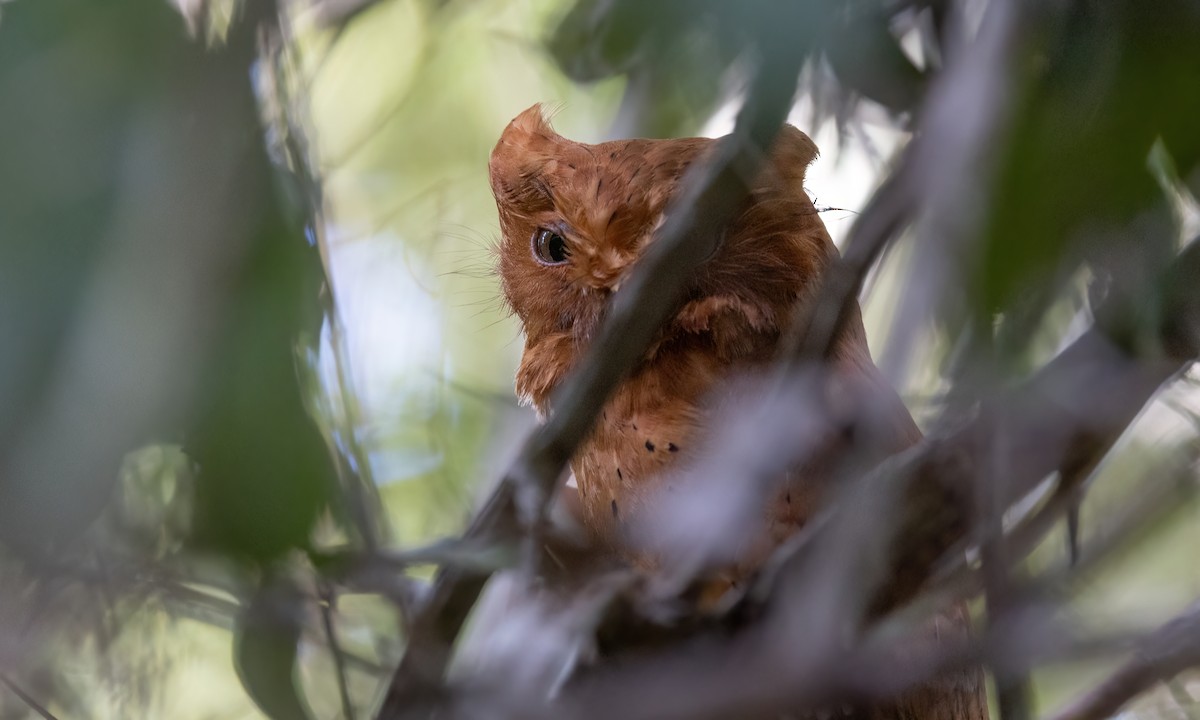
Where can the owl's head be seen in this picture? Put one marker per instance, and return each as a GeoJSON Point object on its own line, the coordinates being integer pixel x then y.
{"type": "Point", "coordinates": [575, 217]}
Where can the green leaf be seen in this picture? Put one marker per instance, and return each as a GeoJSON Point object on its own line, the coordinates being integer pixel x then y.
{"type": "Point", "coordinates": [1073, 185]}
{"type": "Point", "coordinates": [265, 472]}
{"type": "Point", "coordinates": [265, 644]}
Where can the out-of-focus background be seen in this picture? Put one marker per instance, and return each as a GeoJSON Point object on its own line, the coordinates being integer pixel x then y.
{"type": "Point", "coordinates": [209, 236]}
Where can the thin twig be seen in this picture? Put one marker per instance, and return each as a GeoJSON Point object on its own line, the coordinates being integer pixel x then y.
{"type": "Point", "coordinates": [325, 603]}
{"type": "Point", "coordinates": [358, 481]}
{"type": "Point", "coordinates": [1014, 688]}
{"type": "Point", "coordinates": [26, 698]}
{"type": "Point", "coordinates": [350, 460]}
{"type": "Point", "coordinates": [189, 600]}
{"type": "Point", "coordinates": [1158, 495]}
{"type": "Point", "coordinates": [1175, 647]}
{"type": "Point", "coordinates": [885, 216]}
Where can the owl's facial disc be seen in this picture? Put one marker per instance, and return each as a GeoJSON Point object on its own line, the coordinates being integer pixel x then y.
{"type": "Point", "coordinates": [550, 248]}
{"type": "Point", "coordinates": [583, 264]}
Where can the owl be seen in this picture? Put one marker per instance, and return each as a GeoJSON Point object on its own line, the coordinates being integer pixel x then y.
{"type": "Point", "coordinates": [574, 218]}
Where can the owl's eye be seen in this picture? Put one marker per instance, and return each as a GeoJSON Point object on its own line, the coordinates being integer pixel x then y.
{"type": "Point", "coordinates": [549, 248]}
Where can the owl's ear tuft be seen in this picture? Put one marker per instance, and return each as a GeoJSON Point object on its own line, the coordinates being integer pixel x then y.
{"type": "Point", "coordinates": [524, 148]}
{"type": "Point", "coordinates": [791, 155]}
{"type": "Point", "coordinates": [531, 122]}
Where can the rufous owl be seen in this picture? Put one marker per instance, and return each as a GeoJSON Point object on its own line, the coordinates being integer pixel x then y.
{"type": "Point", "coordinates": [574, 219]}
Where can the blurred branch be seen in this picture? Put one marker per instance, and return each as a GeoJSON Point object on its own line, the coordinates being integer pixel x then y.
{"type": "Point", "coordinates": [182, 595]}
{"type": "Point", "coordinates": [1175, 647]}
{"type": "Point", "coordinates": [1013, 684]}
{"type": "Point", "coordinates": [956, 153]}
{"type": "Point", "coordinates": [338, 14]}
{"type": "Point", "coordinates": [758, 673]}
{"type": "Point", "coordinates": [712, 196]}
{"type": "Point", "coordinates": [355, 474]}
{"type": "Point", "coordinates": [768, 669]}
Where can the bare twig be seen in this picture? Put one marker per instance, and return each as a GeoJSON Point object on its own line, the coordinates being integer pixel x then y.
{"type": "Point", "coordinates": [353, 463]}
{"type": "Point", "coordinates": [325, 603]}
{"type": "Point", "coordinates": [350, 460]}
{"type": "Point", "coordinates": [882, 220]}
{"type": "Point", "coordinates": [1013, 684]}
{"type": "Point", "coordinates": [26, 698]}
{"type": "Point", "coordinates": [1155, 498]}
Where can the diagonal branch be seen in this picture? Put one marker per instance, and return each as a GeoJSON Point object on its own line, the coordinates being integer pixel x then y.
{"type": "Point", "coordinates": [26, 698]}
{"type": "Point", "coordinates": [883, 219]}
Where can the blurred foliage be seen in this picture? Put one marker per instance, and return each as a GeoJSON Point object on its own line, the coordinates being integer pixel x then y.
{"type": "Point", "coordinates": [153, 499]}
{"type": "Point", "coordinates": [154, 289]}
{"type": "Point", "coordinates": [110, 273]}
{"type": "Point", "coordinates": [159, 286]}
{"type": "Point", "coordinates": [1094, 97]}
{"type": "Point", "coordinates": [675, 53]}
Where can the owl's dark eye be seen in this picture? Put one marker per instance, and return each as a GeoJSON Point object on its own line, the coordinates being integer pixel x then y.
{"type": "Point", "coordinates": [549, 248]}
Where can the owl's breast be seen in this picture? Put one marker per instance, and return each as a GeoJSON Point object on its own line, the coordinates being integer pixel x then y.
{"type": "Point", "coordinates": [652, 435]}
{"type": "Point", "coordinates": [646, 432]}
{"type": "Point", "coordinates": [630, 459]}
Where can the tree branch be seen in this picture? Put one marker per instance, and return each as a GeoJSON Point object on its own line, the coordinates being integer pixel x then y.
{"type": "Point", "coordinates": [885, 216]}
